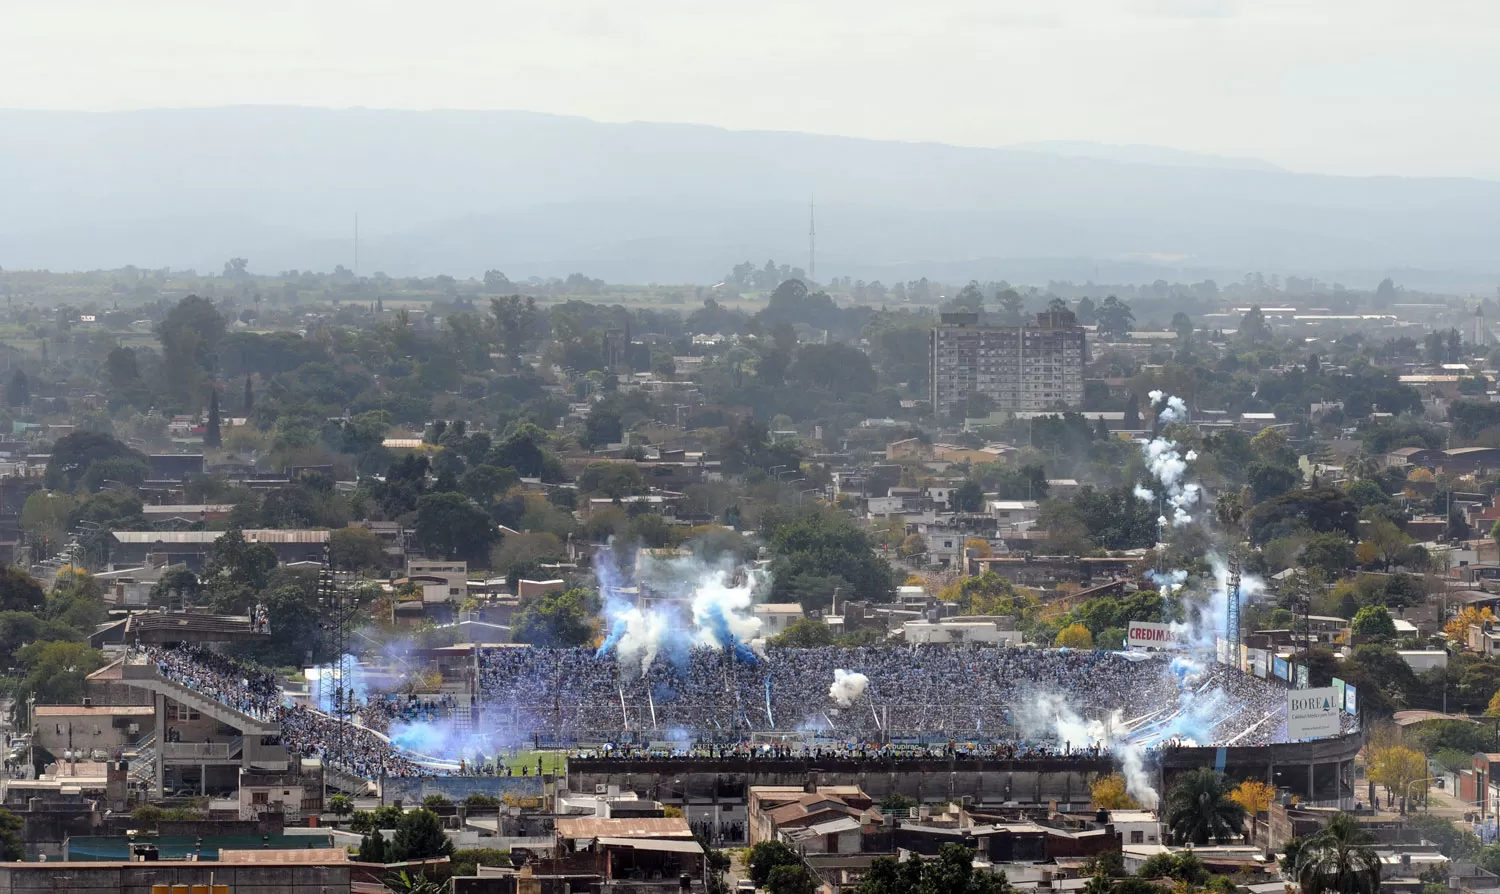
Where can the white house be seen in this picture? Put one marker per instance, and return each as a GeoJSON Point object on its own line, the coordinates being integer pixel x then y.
{"type": "Point", "coordinates": [776, 617]}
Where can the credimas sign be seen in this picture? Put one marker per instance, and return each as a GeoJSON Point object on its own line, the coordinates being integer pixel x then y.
{"type": "Point", "coordinates": [1146, 635]}
{"type": "Point", "coordinates": [1312, 713]}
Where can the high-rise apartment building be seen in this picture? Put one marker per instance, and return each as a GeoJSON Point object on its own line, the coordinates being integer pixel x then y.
{"type": "Point", "coordinates": [1029, 367]}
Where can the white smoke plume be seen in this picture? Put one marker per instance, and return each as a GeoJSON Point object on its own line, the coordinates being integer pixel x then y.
{"type": "Point", "coordinates": [1170, 582]}
{"type": "Point", "coordinates": [1168, 465]}
{"type": "Point", "coordinates": [847, 686]}
{"type": "Point", "coordinates": [1050, 717]}
{"type": "Point", "coordinates": [706, 605]}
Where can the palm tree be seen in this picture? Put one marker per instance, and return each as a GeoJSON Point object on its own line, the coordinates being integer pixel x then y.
{"type": "Point", "coordinates": [1199, 808]}
{"type": "Point", "coordinates": [1339, 859]}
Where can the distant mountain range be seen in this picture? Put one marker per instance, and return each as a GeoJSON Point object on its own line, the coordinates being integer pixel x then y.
{"type": "Point", "coordinates": [533, 194]}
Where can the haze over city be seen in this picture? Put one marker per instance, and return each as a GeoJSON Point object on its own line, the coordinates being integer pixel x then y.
{"type": "Point", "coordinates": [727, 448]}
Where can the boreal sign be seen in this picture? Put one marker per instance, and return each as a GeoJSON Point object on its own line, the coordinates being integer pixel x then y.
{"type": "Point", "coordinates": [1312, 713]}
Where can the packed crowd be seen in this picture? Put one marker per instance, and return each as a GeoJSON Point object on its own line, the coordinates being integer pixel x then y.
{"type": "Point", "coordinates": [975, 692]}
{"type": "Point", "coordinates": [380, 711]}
{"type": "Point", "coordinates": [244, 688]}
{"type": "Point", "coordinates": [309, 733]}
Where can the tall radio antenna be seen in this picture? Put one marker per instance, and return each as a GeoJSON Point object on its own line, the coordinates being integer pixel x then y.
{"type": "Point", "coordinates": [812, 242]}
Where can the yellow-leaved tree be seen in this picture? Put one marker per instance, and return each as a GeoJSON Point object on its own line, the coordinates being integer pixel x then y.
{"type": "Point", "coordinates": [1075, 636]}
{"type": "Point", "coordinates": [1457, 628]}
{"type": "Point", "coordinates": [1399, 769]}
{"type": "Point", "coordinates": [1255, 796]}
{"type": "Point", "coordinates": [1109, 794]}
{"type": "Point", "coordinates": [980, 546]}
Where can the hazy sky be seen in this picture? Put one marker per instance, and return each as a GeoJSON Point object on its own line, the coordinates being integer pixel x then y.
{"type": "Point", "coordinates": [1338, 86]}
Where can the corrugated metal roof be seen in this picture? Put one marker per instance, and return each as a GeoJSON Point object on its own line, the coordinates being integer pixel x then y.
{"type": "Point", "coordinates": [108, 710]}
{"type": "Point", "coordinates": [207, 537]}
{"type": "Point", "coordinates": [630, 827]}
{"type": "Point", "coordinates": [658, 844]}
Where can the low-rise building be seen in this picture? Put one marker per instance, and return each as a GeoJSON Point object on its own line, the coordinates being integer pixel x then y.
{"type": "Point", "coordinates": [776, 617]}
{"type": "Point", "coordinates": [964, 629]}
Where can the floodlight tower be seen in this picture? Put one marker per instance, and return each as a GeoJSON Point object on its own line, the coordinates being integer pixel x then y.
{"type": "Point", "coordinates": [1232, 615]}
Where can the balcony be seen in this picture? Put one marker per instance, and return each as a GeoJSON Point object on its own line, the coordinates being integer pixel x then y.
{"type": "Point", "coordinates": [199, 751]}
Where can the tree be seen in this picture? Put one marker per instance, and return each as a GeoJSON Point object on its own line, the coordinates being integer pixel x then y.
{"type": "Point", "coordinates": [612, 480]}
{"type": "Point", "coordinates": [237, 571]}
{"type": "Point", "coordinates": [371, 846]}
{"type": "Point", "coordinates": [1132, 421]}
{"type": "Point", "coordinates": [558, 619]}
{"type": "Point", "coordinates": [1199, 808]}
{"type": "Point", "coordinates": [1457, 628]}
{"type": "Point", "coordinates": [190, 337]}
{"type": "Point", "coordinates": [355, 549]}
{"type": "Point", "coordinates": [341, 805]}
{"type": "Point", "coordinates": [177, 586]}
{"type": "Point", "coordinates": [249, 403]}
{"type": "Point", "coordinates": [1374, 620]}
{"type": "Point", "coordinates": [824, 543]}
{"type": "Point", "coordinates": [789, 880]}
{"type": "Point", "coordinates": [420, 836]}
{"type": "Point", "coordinates": [601, 428]}
{"type": "Point", "coordinates": [1253, 331]}
{"type": "Point", "coordinates": [967, 497]}
{"type": "Point", "coordinates": [45, 514]}
{"type": "Point", "coordinates": [211, 434]}
{"type": "Point", "coordinates": [74, 453]}
{"type": "Point", "coordinates": [1255, 796]}
{"type": "Point", "coordinates": [515, 320]}
{"type": "Point", "coordinates": [840, 369]}
{"type": "Point", "coordinates": [452, 526]}
{"type": "Point", "coordinates": [1109, 793]}
{"type": "Point", "coordinates": [20, 591]}
{"type": "Point", "coordinates": [951, 872]}
{"type": "Point", "coordinates": [1182, 324]}
{"type": "Point", "coordinates": [53, 672]}
{"type": "Point", "coordinates": [987, 594]}
{"type": "Point", "coordinates": [1398, 769]}
{"type": "Point", "coordinates": [911, 545]}
{"type": "Point", "coordinates": [1269, 480]}
{"type": "Point", "coordinates": [483, 482]}
{"type": "Point", "coordinates": [1330, 551]}
{"type": "Point", "coordinates": [1339, 858]}
{"type": "Point", "coordinates": [1385, 293]}
{"type": "Point", "coordinates": [1114, 317]}
{"type": "Point", "coordinates": [1075, 636]}
{"type": "Point", "coordinates": [766, 856]}
{"type": "Point", "coordinates": [18, 392]}
{"type": "Point", "coordinates": [12, 848]}
{"type": "Point", "coordinates": [804, 633]}
{"type": "Point", "coordinates": [1316, 508]}
{"type": "Point", "coordinates": [1384, 544]}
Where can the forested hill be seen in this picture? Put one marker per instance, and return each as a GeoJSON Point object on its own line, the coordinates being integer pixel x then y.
{"type": "Point", "coordinates": [533, 194]}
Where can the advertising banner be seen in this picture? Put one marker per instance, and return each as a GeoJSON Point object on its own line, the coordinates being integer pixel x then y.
{"type": "Point", "coordinates": [1146, 635]}
{"type": "Point", "coordinates": [1312, 713]}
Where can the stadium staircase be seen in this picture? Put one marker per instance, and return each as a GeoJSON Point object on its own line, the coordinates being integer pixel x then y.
{"type": "Point", "coordinates": [141, 759]}
{"type": "Point", "coordinates": [148, 677]}
{"type": "Point", "coordinates": [346, 782]}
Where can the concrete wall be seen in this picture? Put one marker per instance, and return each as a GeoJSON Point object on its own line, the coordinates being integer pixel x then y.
{"type": "Point", "coordinates": [137, 878]}
{"type": "Point", "coordinates": [991, 782]}
{"type": "Point", "coordinates": [456, 788]}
